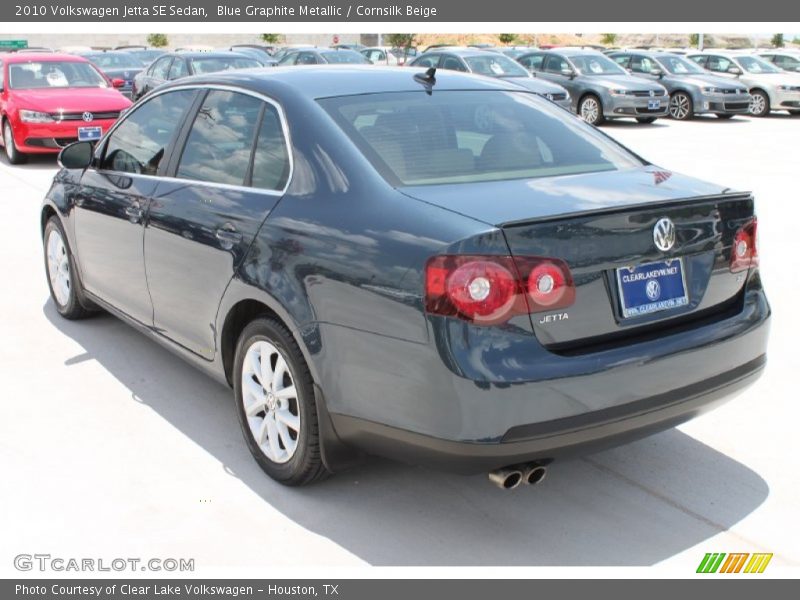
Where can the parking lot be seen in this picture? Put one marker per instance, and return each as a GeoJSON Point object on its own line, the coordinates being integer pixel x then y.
{"type": "Point", "coordinates": [115, 448]}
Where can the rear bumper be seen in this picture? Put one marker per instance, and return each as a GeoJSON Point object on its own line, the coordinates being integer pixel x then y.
{"type": "Point", "coordinates": [479, 398]}
{"type": "Point", "coordinates": [555, 439]}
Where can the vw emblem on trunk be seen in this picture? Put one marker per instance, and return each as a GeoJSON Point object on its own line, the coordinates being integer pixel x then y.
{"type": "Point", "coordinates": [664, 234]}
{"type": "Point", "coordinates": [87, 116]}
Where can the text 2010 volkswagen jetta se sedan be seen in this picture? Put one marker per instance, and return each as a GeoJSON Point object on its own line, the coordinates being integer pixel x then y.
{"type": "Point", "coordinates": [431, 266]}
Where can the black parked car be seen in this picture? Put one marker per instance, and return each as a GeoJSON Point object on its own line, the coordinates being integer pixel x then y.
{"type": "Point", "coordinates": [322, 56]}
{"type": "Point", "coordinates": [448, 270]}
{"type": "Point", "coordinates": [119, 66]}
{"type": "Point", "coordinates": [177, 65]}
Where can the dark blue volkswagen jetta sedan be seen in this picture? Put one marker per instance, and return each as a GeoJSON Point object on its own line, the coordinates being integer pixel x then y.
{"type": "Point", "coordinates": [430, 266]}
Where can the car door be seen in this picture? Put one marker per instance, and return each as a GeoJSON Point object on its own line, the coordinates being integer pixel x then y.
{"type": "Point", "coordinates": [787, 63]}
{"type": "Point", "coordinates": [178, 69]}
{"type": "Point", "coordinates": [307, 58]}
{"type": "Point", "coordinates": [453, 63]}
{"type": "Point", "coordinates": [720, 65]}
{"type": "Point", "coordinates": [232, 170]}
{"type": "Point", "coordinates": [112, 200]}
{"type": "Point", "coordinates": [157, 73]}
{"type": "Point", "coordinates": [553, 69]}
{"type": "Point", "coordinates": [642, 66]}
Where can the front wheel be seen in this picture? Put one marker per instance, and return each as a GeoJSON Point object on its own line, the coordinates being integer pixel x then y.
{"type": "Point", "coordinates": [681, 107]}
{"type": "Point", "coordinates": [590, 110]}
{"type": "Point", "coordinates": [15, 157]}
{"type": "Point", "coordinates": [646, 120]}
{"type": "Point", "coordinates": [276, 404]}
{"type": "Point", "coordinates": [62, 277]}
{"type": "Point", "coordinates": [759, 104]}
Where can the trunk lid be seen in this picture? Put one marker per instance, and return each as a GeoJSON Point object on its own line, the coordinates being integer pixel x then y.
{"type": "Point", "coordinates": [601, 223]}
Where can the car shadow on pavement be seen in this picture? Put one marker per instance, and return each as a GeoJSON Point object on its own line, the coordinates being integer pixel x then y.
{"type": "Point", "coordinates": [35, 162]}
{"type": "Point", "coordinates": [634, 505]}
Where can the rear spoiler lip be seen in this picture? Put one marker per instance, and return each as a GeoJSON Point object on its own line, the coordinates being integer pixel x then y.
{"type": "Point", "coordinates": [725, 196]}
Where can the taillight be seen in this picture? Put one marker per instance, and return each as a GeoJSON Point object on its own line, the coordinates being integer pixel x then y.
{"type": "Point", "coordinates": [489, 290]}
{"type": "Point", "coordinates": [744, 253]}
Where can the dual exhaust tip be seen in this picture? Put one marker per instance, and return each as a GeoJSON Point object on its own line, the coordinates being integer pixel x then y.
{"type": "Point", "coordinates": [509, 478]}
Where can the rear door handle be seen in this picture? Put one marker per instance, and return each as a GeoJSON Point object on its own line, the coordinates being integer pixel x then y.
{"type": "Point", "coordinates": [134, 212]}
{"type": "Point", "coordinates": [228, 236]}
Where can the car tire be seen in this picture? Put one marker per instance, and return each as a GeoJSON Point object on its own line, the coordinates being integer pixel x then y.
{"type": "Point", "coordinates": [590, 109]}
{"type": "Point", "coordinates": [759, 104]}
{"type": "Point", "coordinates": [681, 107]}
{"type": "Point", "coordinates": [15, 157]}
{"type": "Point", "coordinates": [646, 120]}
{"type": "Point", "coordinates": [62, 277]}
{"type": "Point", "coordinates": [281, 429]}
{"type": "Point", "coordinates": [725, 116]}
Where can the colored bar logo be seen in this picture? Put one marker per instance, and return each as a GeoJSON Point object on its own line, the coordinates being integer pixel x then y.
{"type": "Point", "coordinates": [736, 562]}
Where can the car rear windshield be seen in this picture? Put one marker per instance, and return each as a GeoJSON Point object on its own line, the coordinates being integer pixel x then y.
{"type": "Point", "coordinates": [414, 138]}
{"type": "Point", "coordinates": [54, 74]}
{"type": "Point", "coordinates": [497, 65]}
{"type": "Point", "coordinates": [214, 64]}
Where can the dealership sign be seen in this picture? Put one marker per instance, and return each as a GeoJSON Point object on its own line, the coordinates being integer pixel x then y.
{"type": "Point", "coordinates": [13, 44]}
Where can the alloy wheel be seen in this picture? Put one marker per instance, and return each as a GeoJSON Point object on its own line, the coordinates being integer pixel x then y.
{"type": "Point", "coordinates": [270, 402]}
{"type": "Point", "coordinates": [590, 110]}
{"type": "Point", "coordinates": [58, 267]}
{"type": "Point", "coordinates": [680, 107]}
{"type": "Point", "coordinates": [758, 104]}
{"type": "Point", "coordinates": [8, 142]}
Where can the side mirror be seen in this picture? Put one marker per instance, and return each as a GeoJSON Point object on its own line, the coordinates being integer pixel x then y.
{"type": "Point", "coordinates": [657, 73]}
{"type": "Point", "coordinates": [78, 155]}
{"type": "Point", "coordinates": [567, 72]}
{"type": "Point", "coordinates": [734, 70]}
{"type": "Point", "coordinates": [117, 82]}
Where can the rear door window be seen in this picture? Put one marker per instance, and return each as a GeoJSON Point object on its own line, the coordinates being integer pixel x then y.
{"type": "Point", "coordinates": [532, 61]}
{"type": "Point", "coordinates": [160, 68]}
{"type": "Point", "coordinates": [220, 141]}
{"type": "Point", "coordinates": [178, 69]}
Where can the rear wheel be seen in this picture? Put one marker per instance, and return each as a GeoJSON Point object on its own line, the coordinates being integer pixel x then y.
{"type": "Point", "coordinates": [15, 157]}
{"type": "Point", "coordinates": [646, 120]}
{"type": "Point", "coordinates": [62, 278]}
{"type": "Point", "coordinates": [681, 106]}
{"type": "Point", "coordinates": [759, 103]}
{"type": "Point", "coordinates": [590, 109]}
{"type": "Point", "coordinates": [276, 404]}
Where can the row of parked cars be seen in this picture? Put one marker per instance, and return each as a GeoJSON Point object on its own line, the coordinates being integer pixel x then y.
{"type": "Point", "coordinates": [48, 100]}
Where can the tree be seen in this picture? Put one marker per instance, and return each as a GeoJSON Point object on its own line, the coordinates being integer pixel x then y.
{"type": "Point", "coordinates": [157, 40]}
{"type": "Point", "coordinates": [609, 39]}
{"type": "Point", "coordinates": [694, 39]}
{"type": "Point", "coordinates": [271, 38]}
{"type": "Point", "coordinates": [507, 38]}
{"type": "Point", "coordinates": [401, 40]}
{"type": "Point", "coordinates": [777, 40]}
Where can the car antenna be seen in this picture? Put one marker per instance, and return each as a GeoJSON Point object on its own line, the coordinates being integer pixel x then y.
{"type": "Point", "coordinates": [428, 79]}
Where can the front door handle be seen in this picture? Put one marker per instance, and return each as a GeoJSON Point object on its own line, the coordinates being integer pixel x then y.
{"type": "Point", "coordinates": [228, 236]}
{"type": "Point", "coordinates": [134, 212]}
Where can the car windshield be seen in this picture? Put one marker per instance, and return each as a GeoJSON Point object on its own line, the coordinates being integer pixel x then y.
{"type": "Point", "coordinates": [678, 65]}
{"type": "Point", "coordinates": [117, 60]}
{"type": "Point", "coordinates": [591, 64]}
{"type": "Point", "coordinates": [414, 138]}
{"type": "Point", "coordinates": [755, 65]}
{"type": "Point", "coordinates": [146, 56]}
{"type": "Point", "coordinates": [54, 74]}
{"type": "Point", "coordinates": [495, 65]}
{"type": "Point", "coordinates": [213, 64]}
{"type": "Point", "coordinates": [350, 57]}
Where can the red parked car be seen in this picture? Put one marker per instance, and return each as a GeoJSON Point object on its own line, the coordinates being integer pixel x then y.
{"type": "Point", "coordinates": [50, 100]}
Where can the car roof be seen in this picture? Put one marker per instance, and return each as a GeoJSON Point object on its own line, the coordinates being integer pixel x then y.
{"type": "Point", "coordinates": [466, 52]}
{"type": "Point", "coordinates": [315, 82]}
{"type": "Point", "coordinates": [217, 54]}
{"type": "Point", "coordinates": [42, 57]}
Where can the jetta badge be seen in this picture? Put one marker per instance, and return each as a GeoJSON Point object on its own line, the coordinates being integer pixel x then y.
{"type": "Point", "coordinates": [664, 234]}
{"type": "Point", "coordinates": [88, 117]}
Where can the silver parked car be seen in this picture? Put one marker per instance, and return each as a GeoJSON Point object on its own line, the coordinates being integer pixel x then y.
{"type": "Point", "coordinates": [599, 87]}
{"type": "Point", "coordinates": [492, 64]}
{"type": "Point", "coordinates": [692, 91]}
{"type": "Point", "coordinates": [770, 88]}
{"type": "Point", "coordinates": [787, 60]}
